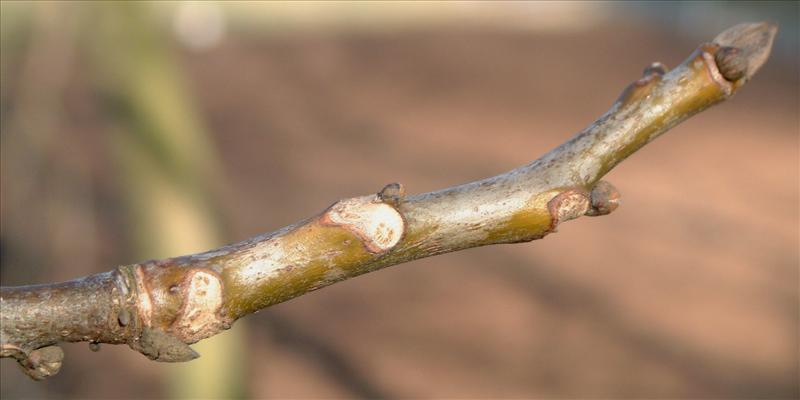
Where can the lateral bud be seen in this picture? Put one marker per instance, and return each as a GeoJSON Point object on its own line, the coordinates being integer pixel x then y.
{"type": "Point", "coordinates": [392, 193]}
{"type": "Point", "coordinates": [42, 363]}
{"type": "Point", "coordinates": [604, 199]}
{"type": "Point", "coordinates": [655, 68]}
{"type": "Point", "coordinates": [643, 86]}
{"type": "Point", "coordinates": [161, 346]}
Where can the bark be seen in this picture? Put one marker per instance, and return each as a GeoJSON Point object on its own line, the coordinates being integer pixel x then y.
{"type": "Point", "coordinates": [160, 307]}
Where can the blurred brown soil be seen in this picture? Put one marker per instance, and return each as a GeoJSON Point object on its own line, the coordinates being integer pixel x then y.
{"type": "Point", "coordinates": [688, 290]}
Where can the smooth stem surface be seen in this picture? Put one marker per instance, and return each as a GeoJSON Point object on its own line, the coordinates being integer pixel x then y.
{"type": "Point", "coordinates": [159, 307]}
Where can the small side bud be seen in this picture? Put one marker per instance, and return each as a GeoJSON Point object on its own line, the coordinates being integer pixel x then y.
{"type": "Point", "coordinates": [392, 193]}
{"type": "Point", "coordinates": [655, 68]}
{"type": "Point", "coordinates": [43, 363]}
{"type": "Point", "coordinates": [124, 317]}
{"type": "Point", "coordinates": [604, 198]}
{"type": "Point", "coordinates": [161, 346]}
{"type": "Point", "coordinates": [643, 86]}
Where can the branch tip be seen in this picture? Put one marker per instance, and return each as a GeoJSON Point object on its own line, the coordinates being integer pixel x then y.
{"type": "Point", "coordinates": [745, 48]}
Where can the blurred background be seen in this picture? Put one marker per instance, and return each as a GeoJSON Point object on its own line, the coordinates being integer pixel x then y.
{"type": "Point", "coordinates": [133, 131]}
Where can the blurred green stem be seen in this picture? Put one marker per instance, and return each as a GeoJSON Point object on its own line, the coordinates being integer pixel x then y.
{"type": "Point", "coordinates": [167, 166]}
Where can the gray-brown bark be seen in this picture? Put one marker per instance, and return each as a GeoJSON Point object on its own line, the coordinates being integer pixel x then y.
{"type": "Point", "coordinates": [160, 307]}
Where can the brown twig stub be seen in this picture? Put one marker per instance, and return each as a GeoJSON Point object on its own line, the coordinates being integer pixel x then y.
{"type": "Point", "coordinates": [160, 307]}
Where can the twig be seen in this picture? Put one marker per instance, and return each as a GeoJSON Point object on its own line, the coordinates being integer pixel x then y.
{"type": "Point", "coordinates": [160, 307]}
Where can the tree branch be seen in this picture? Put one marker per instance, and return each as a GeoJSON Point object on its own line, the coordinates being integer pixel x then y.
{"type": "Point", "coordinates": [160, 307]}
